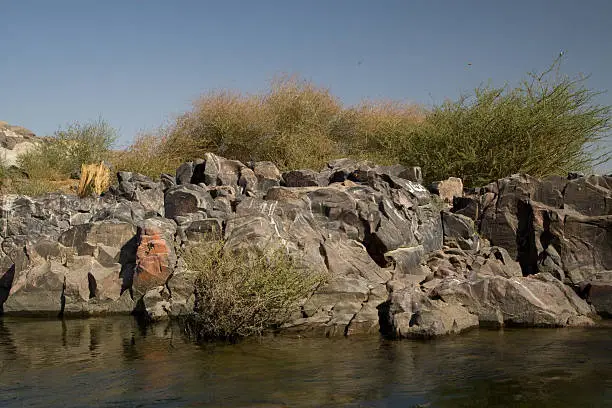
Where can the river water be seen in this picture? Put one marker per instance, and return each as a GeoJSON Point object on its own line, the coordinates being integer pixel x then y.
{"type": "Point", "coordinates": [114, 362]}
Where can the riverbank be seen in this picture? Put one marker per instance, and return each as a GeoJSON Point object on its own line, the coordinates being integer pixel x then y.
{"type": "Point", "coordinates": [398, 258]}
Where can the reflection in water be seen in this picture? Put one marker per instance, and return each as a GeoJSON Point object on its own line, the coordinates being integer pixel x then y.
{"type": "Point", "coordinates": [116, 362]}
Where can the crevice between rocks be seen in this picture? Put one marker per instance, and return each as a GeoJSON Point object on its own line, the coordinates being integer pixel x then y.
{"type": "Point", "coordinates": [527, 252]}
{"type": "Point", "coordinates": [6, 283]}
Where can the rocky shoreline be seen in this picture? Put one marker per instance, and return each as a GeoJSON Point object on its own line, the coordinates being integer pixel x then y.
{"type": "Point", "coordinates": [401, 260]}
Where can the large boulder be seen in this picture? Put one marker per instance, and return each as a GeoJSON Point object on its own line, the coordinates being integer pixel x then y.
{"type": "Point", "coordinates": [88, 238]}
{"type": "Point", "coordinates": [561, 226]}
{"type": "Point", "coordinates": [536, 301]}
{"type": "Point", "coordinates": [465, 289]}
{"type": "Point", "coordinates": [510, 206]}
{"type": "Point", "coordinates": [57, 281]}
{"type": "Point", "coordinates": [411, 314]}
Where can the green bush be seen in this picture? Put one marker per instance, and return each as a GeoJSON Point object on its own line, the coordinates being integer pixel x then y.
{"type": "Point", "coordinates": [246, 292]}
{"type": "Point", "coordinates": [60, 157]}
{"type": "Point", "coordinates": [549, 124]}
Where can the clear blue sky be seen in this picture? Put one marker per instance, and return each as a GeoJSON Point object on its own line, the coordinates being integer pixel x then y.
{"type": "Point", "coordinates": [139, 63]}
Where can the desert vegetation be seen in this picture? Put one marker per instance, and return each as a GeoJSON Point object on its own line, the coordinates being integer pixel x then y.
{"type": "Point", "coordinates": [55, 163]}
{"type": "Point", "coordinates": [60, 157]}
{"type": "Point", "coordinates": [549, 123]}
{"type": "Point", "coordinates": [245, 292]}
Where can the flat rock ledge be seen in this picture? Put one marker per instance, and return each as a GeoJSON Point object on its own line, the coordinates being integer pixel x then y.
{"type": "Point", "coordinates": [400, 260]}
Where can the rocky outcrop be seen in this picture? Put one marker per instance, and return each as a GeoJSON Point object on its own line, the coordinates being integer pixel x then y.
{"type": "Point", "coordinates": [457, 290]}
{"type": "Point", "coordinates": [15, 140]}
{"type": "Point", "coordinates": [118, 253]}
{"type": "Point", "coordinates": [556, 225]}
{"type": "Point", "coordinates": [395, 258]}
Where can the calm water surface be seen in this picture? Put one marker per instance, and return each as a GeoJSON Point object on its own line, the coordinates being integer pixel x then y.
{"type": "Point", "coordinates": [116, 363]}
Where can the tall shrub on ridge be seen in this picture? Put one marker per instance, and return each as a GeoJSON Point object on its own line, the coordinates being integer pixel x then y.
{"type": "Point", "coordinates": [289, 125]}
{"type": "Point", "coordinates": [549, 124]}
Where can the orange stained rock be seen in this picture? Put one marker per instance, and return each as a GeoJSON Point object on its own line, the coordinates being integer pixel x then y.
{"type": "Point", "coordinates": [152, 258]}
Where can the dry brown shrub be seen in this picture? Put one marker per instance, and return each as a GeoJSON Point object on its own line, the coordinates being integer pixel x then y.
{"type": "Point", "coordinates": [377, 130]}
{"type": "Point", "coordinates": [95, 178]}
{"type": "Point", "coordinates": [149, 154]}
{"type": "Point", "coordinates": [289, 125]}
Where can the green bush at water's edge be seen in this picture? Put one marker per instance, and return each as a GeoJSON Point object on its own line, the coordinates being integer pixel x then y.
{"type": "Point", "coordinates": [245, 292]}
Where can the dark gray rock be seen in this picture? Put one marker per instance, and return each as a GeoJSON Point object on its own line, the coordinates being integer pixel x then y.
{"type": "Point", "coordinates": [411, 314]}
{"type": "Point", "coordinates": [599, 294]}
{"type": "Point", "coordinates": [459, 231]}
{"type": "Point", "coordinates": [86, 237]}
{"type": "Point", "coordinates": [538, 300]}
{"type": "Point", "coordinates": [167, 181]}
{"type": "Point", "coordinates": [467, 206]}
{"type": "Point", "coordinates": [413, 174]}
{"type": "Point", "coordinates": [219, 171]}
{"type": "Point", "coordinates": [554, 225]}
{"type": "Point", "coordinates": [406, 260]}
{"type": "Point", "coordinates": [267, 175]}
{"type": "Point", "coordinates": [301, 178]}
{"type": "Point", "coordinates": [184, 173]}
{"type": "Point", "coordinates": [248, 183]}
{"type": "Point", "coordinates": [124, 211]}
{"type": "Point", "coordinates": [205, 229]}
{"type": "Point", "coordinates": [590, 196]}
{"type": "Point", "coordinates": [186, 199]}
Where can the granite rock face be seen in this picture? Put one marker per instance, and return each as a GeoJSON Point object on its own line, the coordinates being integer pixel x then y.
{"type": "Point", "coordinates": [118, 253]}
{"type": "Point", "coordinates": [560, 226]}
{"type": "Point", "coordinates": [396, 260]}
{"type": "Point", "coordinates": [458, 290]}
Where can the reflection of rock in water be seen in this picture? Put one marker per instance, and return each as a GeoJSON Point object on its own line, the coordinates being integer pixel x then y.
{"type": "Point", "coordinates": [8, 350]}
{"type": "Point", "coordinates": [113, 362]}
{"type": "Point", "coordinates": [544, 368]}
